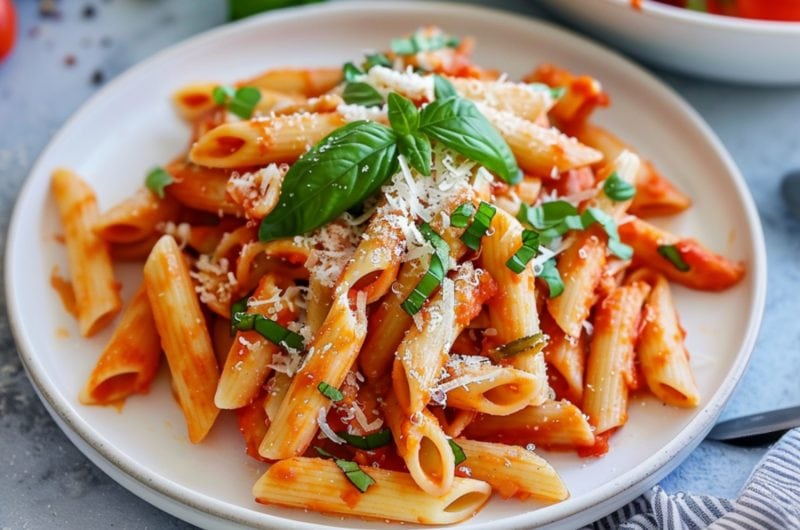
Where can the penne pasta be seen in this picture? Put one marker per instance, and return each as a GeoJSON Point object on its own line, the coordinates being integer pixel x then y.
{"type": "Point", "coordinates": [129, 361]}
{"type": "Point", "coordinates": [511, 471]}
{"type": "Point", "coordinates": [135, 218]}
{"type": "Point", "coordinates": [309, 82]}
{"type": "Point", "coordinates": [184, 336]}
{"type": "Point", "coordinates": [96, 292]}
{"type": "Point", "coordinates": [317, 484]}
{"type": "Point", "coordinates": [201, 188]}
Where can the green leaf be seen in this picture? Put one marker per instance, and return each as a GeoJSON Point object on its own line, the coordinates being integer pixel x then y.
{"type": "Point", "coordinates": [442, 88]}
{"type": "Point", "coordinates": [362, 94]}
{"type": "Point", "coordinates": [547, 215]}
{"type": "Point", "coordinates": [244, 102]}
{"type": "Point", "coordinates": [158, 179]}
{"type": "Point", "coordinates": [330, 392]}
{"type": "Point", "coordinates": [221, 94]}
{"type": "Point", "coordinates": [532, 343]}
{"type": "Point", "coordinates": [458, 452]}
{"type": "Point", "coordinates": [369, 441]}
{"type": "Point", "coordinates": [552, 277]}
{"type": "Point", "coordinates": [435, 274]}
{"type": "Point", "coordinates": [529, 250]}
{"type": "Point", "coordinates": [480, 224]}
{"type": "Point", "coordinates": [350, 72]}
{"type": "Point", "coordinates": [244, 8]}
{"type": "Point", "coordinates": [417, 150]}
{"type": "Point", "coordinates": [461, 216]}
{"type": "Point", "coordinates": [269, 329]}
{"type": "Point", "coordinates": [376, 59]}
{"type": "Point", "coordinates": [617, 189]}
{"type": "Point", "coordinates": [555, 92]}
{"type": "Point", "coordinates": [355, 475]}
{"type": "Point", "coordinates": [239, 306]}
{"type": "Point", "coordinates": [459, 125]}
{"type": "Point", "coordinates": [673, 255]}
{"type": "Point", "coordinates": [615, 246]}
{"type": "Point", "coordinates": [403, 115]}
{"type": "Point", "coordinates": [403, 47]}
{"type": "Point", "coordinates": [339, 172]}
{"type": "Point", "coordinates": [420, 42]}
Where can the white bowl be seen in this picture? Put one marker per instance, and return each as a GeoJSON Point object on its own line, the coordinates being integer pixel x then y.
{"type": "Point", "coordinates": [710, 46]}
{"type": "Point", "coordinates": [129, 126]}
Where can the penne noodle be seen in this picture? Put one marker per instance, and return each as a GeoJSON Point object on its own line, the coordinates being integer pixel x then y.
{"type": "Point", "coordinates": [257, 192]}
{"type": "Point", "coordinates": [316, 484]}
{"type": "Point", "coordinates": [96, 292]}
{"type": "Point", "coordinates": [201, 188]}
{"type": "Point", "coordinates": [135, 218]}
{"type": "Point", "coordinates": [707, 271]}
{"type": "Point", "coordinates": [453, 421]}
{"type": "Point", "coordinates": [252, 419]}
{"type": "Point", "coordinates": [497, 390]}
{"type": "Point", "coordinates": [554, 425]}
{"type": "Point", "coordinates": [518, 98]}
{"type": "Point", "coordinates": [129, 361]}
{"type": "Point", "coordinates": [661, 350]}
{"type": "Point", "coordinates": [260, 142]}
{"type": "Point", "coordinates": [511, 471]}
{"type": "Point", "coordinates": [567, 355]}
{"type": "Point", "coordinates": [309, 82]}
{"type": "Point", "coordinates": [194, 100]}
{"type": "Point", "coordinates": [581, 94]}
{"type": "Point", "coordinates": [423, 446]}
{"type": "Point", "coordinates": [609, 368]}
{"type": "Point", "coordinates": [184, 336]}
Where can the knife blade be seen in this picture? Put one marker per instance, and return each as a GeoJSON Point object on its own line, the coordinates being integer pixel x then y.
{"type": "Point", "coordinates": [756, 429]}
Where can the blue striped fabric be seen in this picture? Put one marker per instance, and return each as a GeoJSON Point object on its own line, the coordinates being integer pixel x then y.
{"type": "Point", "coordinates": [770, 500]}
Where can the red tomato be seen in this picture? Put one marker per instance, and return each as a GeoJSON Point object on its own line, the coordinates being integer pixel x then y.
{"type": "Point", "coordinates": [8, 27]}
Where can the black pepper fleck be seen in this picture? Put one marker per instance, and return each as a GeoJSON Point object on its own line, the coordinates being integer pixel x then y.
{"type": "Point", "coordinates": [98, 77]}
{"type": "Point", "coordinates": [88, 11]}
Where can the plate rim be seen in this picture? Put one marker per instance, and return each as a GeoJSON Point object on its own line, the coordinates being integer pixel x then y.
{"type": "Point", "coordinates": [666, 458]}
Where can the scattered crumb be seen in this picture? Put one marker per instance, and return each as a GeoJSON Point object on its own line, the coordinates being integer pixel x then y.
{"type": "Point", "coordinates": [88, 11]}
{"type": "Point", "coordinates": [98, 77]}
{"type": "Point", "coordinates": [70, 60]}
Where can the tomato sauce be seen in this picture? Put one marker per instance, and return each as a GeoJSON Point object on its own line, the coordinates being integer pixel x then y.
{"type": "Point", "coordinates": [776, 10]}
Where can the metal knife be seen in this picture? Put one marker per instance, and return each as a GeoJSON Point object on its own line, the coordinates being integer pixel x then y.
{"type": "Point", "coordinates": [756, 429]}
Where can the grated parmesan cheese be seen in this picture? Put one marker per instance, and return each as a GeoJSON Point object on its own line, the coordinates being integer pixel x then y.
{"type": "Point", "coordinates": [322, 421]}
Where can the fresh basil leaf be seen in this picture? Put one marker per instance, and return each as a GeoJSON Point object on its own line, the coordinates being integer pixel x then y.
{"type": "Point", "coordinates": [403, 47]}
{"type": "Point", "coordinates": [239, 306]}
{"type": "Point", "coordinates": [330, 392]}
{"type": "Point", "coordinates": [617, 189]}
{"type": "Point", "coordinates": [221, 94]}
{"type": "Point", "coordinates": [552, 277]}
{"type": "Point", "coordinates": [480, 224]}
{"type": "Point", "coordinates": [369, 441]}
{"type": "Point", "coordinates": [417, 150]}
{"type": "Point", "coordinates": [547, 215]}
{"type": "Point", "coordinates": [529, 250]}
{"type": "Point", "coordinates": [615, 245]}
{"type": "Point", "coordinates": [244, 102]}
{"type": "Point", "coordinates": [673, 255]}
{"type": "Point", "coordinates": [342, 170]}
{"type": "Point", "coordinates": [355, 475]}
{"type": "Point", "coordinates": [620, 249]}
{"type": "Point", "coordinates": [459, 125]}
{"type": "Point", "coordinates": [158, 179]}
{"type": "Point", "coordinates": [458, 452]}
{"type": "Point", "coordinates": [376, 59]}
{"type": "Point", "coordinates": [555, 92]}
{"type": "Point", "coordinates": [403, 115]}
{"type": "Point", "coordinates": [350, 72]}
{"type": "Point", "coordinates": [362, 94]}
{"type": "Point", "coordinates": [442, 88]}
{"type": "Point", "coordinates": [269, 329]}
{"type": "Point", "coordinates": [420, 42]}
{"type": "Point", "coordinates": [462, 215]}
{"type": "Point", "coordinates": [433, 277]}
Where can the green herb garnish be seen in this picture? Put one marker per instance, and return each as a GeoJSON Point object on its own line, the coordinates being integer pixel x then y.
{"type": "Point", "coordinates": [458, 452]}
{"type": "Point", "coordinates": [352, 471]}
{"type": "Point", "coordinates": [525, 253]}
{"type": "Point", "coordinates": [330, 392]}
{"type": "Point", "coordinates": [158, 179]}
{"type": "Point", "coordinates": [419, 42]}
{"type": "Point", "coordinates": [435, 274]}
{"type": "Point", "coordinates": [461, 216]}
{"type": "Point", "coordinates": [480, 224]}
{"type": "Point", "coordinates": [552, 277]}
{"type": "Point", "coordinates": [239, 306]}
{"type": "Point", "coordinates": [369, 441]}
{"type": "Point", "coordinates": [617, 189]}
{"type": "Point", "coordinates": [673, 255]}
{"type": "Point", "coordinates": [269, 329]}
{"type": "Point", "coordinates": [357, 93]}
{"type": "Point", "coordinates": [240, 101]}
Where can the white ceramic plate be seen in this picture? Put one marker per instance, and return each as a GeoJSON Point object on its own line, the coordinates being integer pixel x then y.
{"type": "Point", "coordinates": [129, 126]}
{"type": "Point", "coordinates": [701, 44]}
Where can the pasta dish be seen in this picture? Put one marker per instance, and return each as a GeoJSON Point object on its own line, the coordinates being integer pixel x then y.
{"type": "Point", "coordinates": [403, 276]}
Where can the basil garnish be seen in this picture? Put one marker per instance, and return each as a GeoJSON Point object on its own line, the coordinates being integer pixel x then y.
{"type": "Point", "coordinates": [458, 124]}
{"type": "Point", "coordinates": [330, 392]}
{"type": "Point", "coordinates": [362, 94]}
{"type": "Point", "coordinates": [673, 255]}
{"type": "Point", "coordinates": [419, 42]}
{"type": "Point", "coordinates": [240, 101]}
{"type": "Point", "coordinates": [158, 179]}
{"type": "Point", "coordinates": [343, 169]}
{"type": "Point", "coordinates": [417, 150]}
{"type": "Point", "coordinates": [442, 88]}
{"type": "Point", "coordinates": [617, 189]}
{"type": "Point", "coordinates": [458, 452]}
{"type": "Point", "coordinates": [351, 470]}
{"type": "Point", "coordinates": [552, 277]}
{"type": "Point", "coordinates": [369, 441]}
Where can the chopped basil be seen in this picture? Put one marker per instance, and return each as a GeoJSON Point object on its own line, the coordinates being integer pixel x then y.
{"type": "Point", "coordinates": [240, 101]}
{"type": "Point", "coordinates": [269, 329]}
{"type": "Point", "coordinates": [458, 124]}
{"type": "Point", "coordinates": [480, 224]}
{"type": "Point", "coordinates": [547, 215]}
{"type": "Point", "coordinates": [555, 92]}
{"type": "Point", "coordinates": [342, 170]}
{"type": "Point", "coordinates": [351, 470]}
{"type": "Point", "coordinates": [552, 277]}
{"type": "Point", "coordinates": [535, 343]}
{"type": "Point", "coordinates": [461, 216]}
{"type": "Point", "coordinates": [239, 306]}
{"type": "Point", "coordinates": [423, 43]}
{"type": "Point", "coordinates": [617, 189]}
{"type": "Point", "coordinates": [158, 179]}
{"type": "Point", "coordinates": [615, 245]}
{"type": "Point", "coordinates": [330, 392]}
{"type": "Point", "coordinates": [362, 94]}
{"type": "Point", "coordinates": [673, 255]}
{"type": "Point", "coordinates": [435, 274]}
{"type": "Point", "coordinates": [529, 250]}
{"type": "Point", "coordinates": [350, 72]}
{"type": "Point", "coordinates": [376, 59]}
{"type": "Point", "coordinates": [417, 150]}
{"type": "Point", "coordinates": [458, 452]}
{"type": "Point", "coordinates": [369, 441]}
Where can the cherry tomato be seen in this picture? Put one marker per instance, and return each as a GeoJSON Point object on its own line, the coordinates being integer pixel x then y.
{"type": "Point", "coordinates": [8, 27]}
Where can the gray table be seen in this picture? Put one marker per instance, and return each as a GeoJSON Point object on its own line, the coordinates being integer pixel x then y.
{"type": "Point", "coordinates": [45, 482]}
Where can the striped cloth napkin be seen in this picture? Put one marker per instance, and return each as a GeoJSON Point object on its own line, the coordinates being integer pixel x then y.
{"type": "Point", "coordinates": [769, 500]}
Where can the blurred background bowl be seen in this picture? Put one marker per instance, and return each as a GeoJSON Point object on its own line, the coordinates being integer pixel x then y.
{"type": "Point", "coordinates": [701, 44]}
